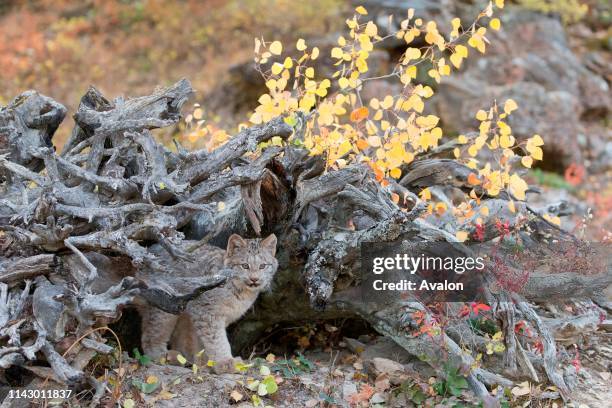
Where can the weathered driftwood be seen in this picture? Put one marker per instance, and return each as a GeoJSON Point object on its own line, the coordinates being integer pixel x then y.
{"type": "Point", "coordinates": [105, 225]}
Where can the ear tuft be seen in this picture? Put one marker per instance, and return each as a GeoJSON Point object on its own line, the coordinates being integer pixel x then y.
{"type": "Point", "coordinates": [234, 243]}
{"type": "Point", "coordinates": [269, 244]}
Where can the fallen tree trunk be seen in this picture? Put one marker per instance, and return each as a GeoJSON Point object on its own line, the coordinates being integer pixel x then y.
{"type": "Point", "coordinates": [105, 224]}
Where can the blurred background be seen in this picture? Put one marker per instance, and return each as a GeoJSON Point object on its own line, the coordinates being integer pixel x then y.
{"type": "Point", "coordinates": [551, 56]}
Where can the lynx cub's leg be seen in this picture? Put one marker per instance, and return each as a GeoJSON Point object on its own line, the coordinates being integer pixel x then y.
{"type": "Point", "coordinates": [157, 328]}
{"type": "Point", "coordinates": [213, 337]}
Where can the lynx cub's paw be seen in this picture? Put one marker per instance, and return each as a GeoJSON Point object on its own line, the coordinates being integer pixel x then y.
{"type": "Point", "coordinates": [227, 365]}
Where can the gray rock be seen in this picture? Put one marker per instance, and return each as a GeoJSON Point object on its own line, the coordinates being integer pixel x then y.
{"type": "Point", "coordinates": [530, 61]}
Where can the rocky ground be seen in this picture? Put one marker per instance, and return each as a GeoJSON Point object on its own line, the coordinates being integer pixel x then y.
{"type": "Point", "coordinates": [370, 371]}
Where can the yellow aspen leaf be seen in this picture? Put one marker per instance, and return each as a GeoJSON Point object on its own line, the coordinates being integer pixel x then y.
{"type": "Point", "coordinates": [288, 63]}
{"type": "Point", "coordinates": [374, 141]}
{"type": "Point", "coordinates": [277, 68]}
{"type": "Point", "coordinates": [434, 74]}
{"type": "Point", "coordinates": [343, 82]}
{"type": "Point", "coordinates": [462, 50]}
{"type": "Point", "coordinates": [494, 144]}
{"type": "Point", "coordinates": [387, 102]}
{"type": "Point", "coordinates": [536, 140]}
{"type": "Point", "coordinates": [484, 128]}
{"type": "Point", "coordinates": [495, 24]}
{"type": "Point", "coordinates": [315, 53]}
{"type": "Point", "coordinates": [371, 29]}
{"type": "Point", "coordinates": [462, 139]}
{"type": "Point", "coordinates": [352, 24]}
{"type": "Point", "coordinates": [276, 48]}
{"type": "Point", "coordinates": [472, 164]}
{"type": "Point", "coordinates": [456, 152]}
{"type": "Point", "coordinates": [456, 60]}
{"type": "Point", "coordinates": [256, 118]}
{"type": "Point", "coordinates": [198, 113]}
{"type": "Point", "coordinates": [428, 121]}
{"type": "Point", "coordinates": [481, 115]}
{"type": "Point", "coordinates": [527, 161]}
{"type": "Point", "coordinates": [416, 103]}
{"type": "Point", "coordinates": [341, 41]}
{"type": "Point", "coordinates": [411, 71]}
{"type": "Point", "coordinates": [456, 23]}
{"type": "Point", "coordinates": [461, 236]}
{"type": "Point", "coordinates": [309, 72]}
{"type": "Point", "coordinates": [499, 3]}
{"type": "Point", "coordinates": [374, 103]}
{"type": "Point", "coordinates": [359, 114]}
{"type": "Point", "coordinates": [517, 186]}
{"type": "Point", "coordinates": [426, 140]}
{"type": "Point", "coordinates": [378, 115]}
{"type": "Point", "coordinates": [411, 54]}
{"type": "Point", "coordinates": [300, 45]}
{"type": "Point", "coordinates": [182, 360]}
{"type": "Point", "coordinates": [344, 148]}
{"type": "Point", "coordinates": [533, 147]}
{"type": "Point", "coordinates": [552, 219]}
{"type": "Point", "coordinates": [509, 106]}
{"type": "Point", "coordinates": [537, 153]}
{"type": "Point", "coordinates": [504, 129]}
{"type": "Point", "coordinates": [396, 173]}
{"type": "Point", "coordinates": [473, 150]}
{"type": "Point", "coordinates": [271, 84]}
{"type": "Point", "coordinates": [361, 10]}
{"type": "Point", "coordinates": [425, 194]}
{"type": "Point", "coordinates": [337, 53]}
{"type": "Point", "coordinates": [478, 43]}
{"type": "Point", "coordinates": [409, 37]}
{"type": "Point", "coordinates": [506, 141]}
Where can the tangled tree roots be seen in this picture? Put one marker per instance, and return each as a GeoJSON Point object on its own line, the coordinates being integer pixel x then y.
{"type": "Point", "coordinates": [81, 233]}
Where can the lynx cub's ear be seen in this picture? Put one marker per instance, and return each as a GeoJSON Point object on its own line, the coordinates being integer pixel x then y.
{"type": "Point", "coordinates": [269, 244]}
{"type": "Point", "coordinates": [235, 243]}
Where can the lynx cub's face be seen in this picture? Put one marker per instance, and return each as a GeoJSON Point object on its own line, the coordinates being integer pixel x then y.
{"type": "Point", "coordinates": [252, 261]}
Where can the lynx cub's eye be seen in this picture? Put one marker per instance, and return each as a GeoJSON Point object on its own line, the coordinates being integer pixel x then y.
{"type": "Point", "coordinates": [263, 266]}
{"type": "Point", "coordinates": [245, 266]}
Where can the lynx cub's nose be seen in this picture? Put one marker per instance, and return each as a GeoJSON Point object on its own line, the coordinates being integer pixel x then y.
{"type": "Point", "coordinates": [254, 280]}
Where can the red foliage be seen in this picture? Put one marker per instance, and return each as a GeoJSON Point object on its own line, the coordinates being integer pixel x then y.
{"type": "Point", "coordinates": [479, 234]}
{"type": "Point", "coordinates": [478, 307]}
{"type": "Point", "coordinates": [574, 174]}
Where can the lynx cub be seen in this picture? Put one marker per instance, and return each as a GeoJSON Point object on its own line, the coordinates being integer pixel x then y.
{"type": "Point", "coordinates": [202, 325]}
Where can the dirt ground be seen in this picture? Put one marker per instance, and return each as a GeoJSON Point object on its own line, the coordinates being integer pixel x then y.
{"type": "Point", "coordinates": [356, 374]}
